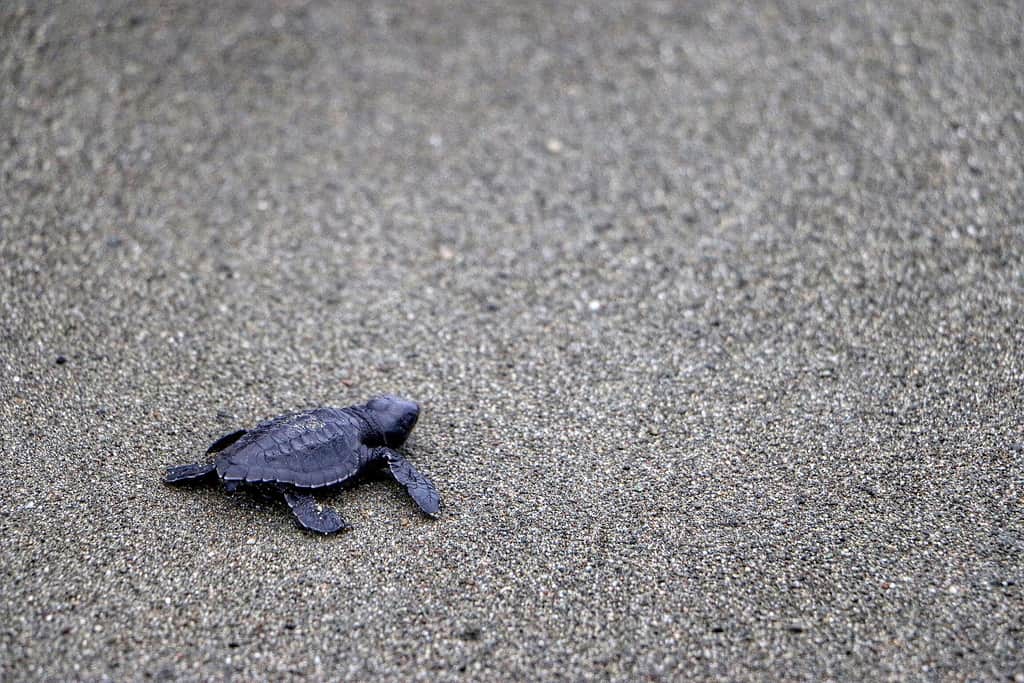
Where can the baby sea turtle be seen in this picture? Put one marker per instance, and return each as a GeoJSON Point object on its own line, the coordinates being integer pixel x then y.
{"type": "Point", "coordinates": [297, 453]}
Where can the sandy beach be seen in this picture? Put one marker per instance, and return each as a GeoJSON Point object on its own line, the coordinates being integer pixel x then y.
{"type": "Point", "coordinates": [714, 312]}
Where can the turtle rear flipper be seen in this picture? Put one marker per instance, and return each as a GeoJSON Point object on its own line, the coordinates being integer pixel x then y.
{"type": "Point", "coordinates": [311, 515]}
{"type": "Point", "coordinates": [189, 474]}
{"type": "Point", "coordinates": [419, 487]}
{"type": "Point", "coordinates": [226, 440]}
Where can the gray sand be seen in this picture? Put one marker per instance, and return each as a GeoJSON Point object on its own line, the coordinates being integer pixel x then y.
{"type": "Point", "coordinates": [715, 314]}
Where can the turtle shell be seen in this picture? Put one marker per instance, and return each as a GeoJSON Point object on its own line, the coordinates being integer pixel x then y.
{"type": "Point", "coordinates": [309, 449]}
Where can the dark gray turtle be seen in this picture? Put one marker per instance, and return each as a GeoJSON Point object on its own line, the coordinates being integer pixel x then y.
{"type": "Point", "coordinates": [297, 453]}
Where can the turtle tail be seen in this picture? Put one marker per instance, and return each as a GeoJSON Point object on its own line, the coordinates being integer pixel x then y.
{"type": "Point", "coordinates": [189, 474]}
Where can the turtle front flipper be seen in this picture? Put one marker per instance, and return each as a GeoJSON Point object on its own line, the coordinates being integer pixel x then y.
{"type": "Point", "coordinates": [419, 487]}
{"type": "Point", "coordinates": [311, 515]}
{"type": "Point", "coordinates": [189, 474]}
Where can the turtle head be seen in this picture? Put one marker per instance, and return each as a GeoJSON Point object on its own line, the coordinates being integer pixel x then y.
{"type": "Point", "coordinates": [395, 416]}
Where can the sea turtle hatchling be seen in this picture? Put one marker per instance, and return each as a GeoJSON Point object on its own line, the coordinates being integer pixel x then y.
{"type": "Point", "coordinates": [297, 453]}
